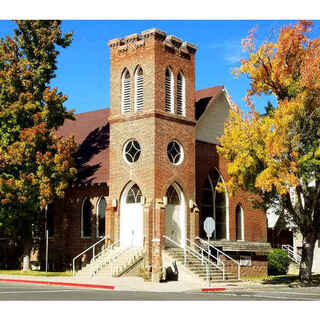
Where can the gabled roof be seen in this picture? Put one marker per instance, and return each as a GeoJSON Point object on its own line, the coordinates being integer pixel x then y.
{"type": "Point", "coordinates": [91, 131]}
{"type": "Point", "coordinates": [203, 99]}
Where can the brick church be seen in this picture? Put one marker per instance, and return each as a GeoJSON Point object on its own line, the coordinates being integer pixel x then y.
{"type": "Point", "coordinates": [148, 165]}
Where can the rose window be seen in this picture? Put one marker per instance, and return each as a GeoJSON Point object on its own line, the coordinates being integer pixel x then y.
{"type": "Point", "coordinates": [131, 151]}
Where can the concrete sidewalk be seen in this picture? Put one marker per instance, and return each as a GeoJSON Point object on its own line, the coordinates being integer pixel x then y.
{"type": "Point", "coordinates": [138, 284]}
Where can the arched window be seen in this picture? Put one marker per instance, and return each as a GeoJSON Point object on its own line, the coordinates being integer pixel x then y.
{"type": "Point", "coordinates": [172, 196]}
{"type": "Point", "coordinates": [125, 93]}
{"type": "Point", "coordinates": [101, 217]}
{"type": "Point", "coordinates": [239, 223]}
{"type": "Point", "coordinates": [86, 218]}
{"type": "Point", "coordinates": [169, 91]}
{"type": "Point", "coordinates": [134, 195]}
{"type": "Point", "coordinates": [214, 204]}
{"type": "Point", "coordinates": [138, 89]}
{"type": "Point", "coordinates": [181, 95]}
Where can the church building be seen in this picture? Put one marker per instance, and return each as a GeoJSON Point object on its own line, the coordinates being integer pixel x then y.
{"type": "Point", "coordinates": [148, 167]}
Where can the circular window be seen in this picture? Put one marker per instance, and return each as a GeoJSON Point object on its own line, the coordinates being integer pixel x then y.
{"type": "Point", "coordinates": [131, 151]}
{"type": "Point", "coordinates": [175, 152]}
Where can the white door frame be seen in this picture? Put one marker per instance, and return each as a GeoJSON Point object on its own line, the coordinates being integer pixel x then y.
{"type": "Point", "coordinates": [125, 238]}
{"type": "Point", "coordinates": [182, 215]}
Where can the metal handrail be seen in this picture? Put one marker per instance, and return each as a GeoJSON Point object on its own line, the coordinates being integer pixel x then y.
{"type": "Point", "coordinates": [295, 257]}
{"type": "Point", "coordinates": [206, 251]}
{"type": "Point", "coordinates": [116, 256]}
{"type": "Point", "coordinates": [198, 256]}
{"type": "Point", "coordinates": [227, 256]}
{"type": "Point", "coordinates": [80, 254]}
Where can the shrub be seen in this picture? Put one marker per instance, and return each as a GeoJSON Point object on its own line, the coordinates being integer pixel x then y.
{"type": "Point", "coordinates": [278, 262]}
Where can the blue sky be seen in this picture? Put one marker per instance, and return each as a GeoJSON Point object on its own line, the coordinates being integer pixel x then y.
{"type": "Point", "coordinates": [83, 67]}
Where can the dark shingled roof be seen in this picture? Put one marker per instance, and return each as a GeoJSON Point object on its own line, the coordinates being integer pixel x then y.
{"type": "Point", "coordinates": [91, 131]}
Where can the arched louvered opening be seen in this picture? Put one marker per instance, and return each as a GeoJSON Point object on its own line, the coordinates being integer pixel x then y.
{"type": "Point", "coordinates": [101, 217]}
{"type": "Point", "coordinates": [169, 91]}
{"type": "Point", "coordinates": [181, 95]}
{"type": "Point", "coordinates": [215, 204]}
{"type": "Point", "coordinates": [239, 223]}
{"type": "Point", "coordinates": [138, 87]}
{"type": "Point", "coordinates": [86, 218]}
{"type": "Point", "coordinates": [125, 93]}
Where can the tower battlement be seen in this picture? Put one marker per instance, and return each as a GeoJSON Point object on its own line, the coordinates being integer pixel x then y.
{"type": "Point", "coordinates": [134, 41]}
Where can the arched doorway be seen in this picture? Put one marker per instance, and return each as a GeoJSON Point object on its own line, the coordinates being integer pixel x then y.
{"type": "Point", "coordinates": [131, 217]}
{"type": "Point", "coordinates": [175, 216]}
{"type": "Point", "coordinates": [215, 204]}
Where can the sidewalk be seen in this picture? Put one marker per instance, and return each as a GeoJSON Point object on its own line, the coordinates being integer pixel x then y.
{"type": "Point", "coordinates": [138, 284]}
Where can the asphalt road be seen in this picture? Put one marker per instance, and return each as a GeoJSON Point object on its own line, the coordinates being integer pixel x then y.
{"type": "Point", "coordinates": [27, 292]}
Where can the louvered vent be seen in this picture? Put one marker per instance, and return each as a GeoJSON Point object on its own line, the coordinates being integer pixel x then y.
{"type": "Point", "coordinates": [169, 92]}
{"type": "Point", "coordinates": [181, 108]}
{"type": "Point", "coordinates": [139, 90]}
{"type": "Point", "coordinates": [126, 92]}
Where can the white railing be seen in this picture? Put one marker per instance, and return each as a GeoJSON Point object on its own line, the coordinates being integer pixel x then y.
{"type": "Point", "coordinates": [292, 254]}
{"type": "Point", "coordinates": [208, 244]}
{"type": "Point", "coordinates": [197, 255]}
{"type": "Point", "coordinates": [138, 252]}
{"type": "Point", "coordinates": [95, 252]}
{"type": "Point", "coordinates": [106, 259]}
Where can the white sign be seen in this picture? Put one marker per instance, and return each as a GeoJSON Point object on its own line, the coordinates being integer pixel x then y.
{"type": "Point", "coordinates": [209, 226]}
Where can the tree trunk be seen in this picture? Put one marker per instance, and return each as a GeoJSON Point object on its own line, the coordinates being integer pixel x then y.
{"type": "Point", "coordinates": [305, 272]}
{"type": "Point", "coordinates": [26, 256]}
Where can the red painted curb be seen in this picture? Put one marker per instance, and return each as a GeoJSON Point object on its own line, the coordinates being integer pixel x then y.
{"type": "Point", "coordinates": [212, 289]}
{"type": "Point", "coordinates": [61, 283]}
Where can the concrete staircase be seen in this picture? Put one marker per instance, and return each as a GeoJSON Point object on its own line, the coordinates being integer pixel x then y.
{"type": "Point", "coordinates": [197, 269]}
{"type": "Point", "coordinates": [112, 262]}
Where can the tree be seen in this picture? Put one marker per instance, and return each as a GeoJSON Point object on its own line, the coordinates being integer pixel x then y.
{"type": "Point", "coordinates": [279, 152]}
{"type": "Point", "coordinates": [35, 165]}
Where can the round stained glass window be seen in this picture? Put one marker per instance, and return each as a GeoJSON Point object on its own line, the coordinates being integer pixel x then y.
{"type": "Point", "coordinates": [175, 152]}
{"type": "Point", "coordinates": [131, 151]}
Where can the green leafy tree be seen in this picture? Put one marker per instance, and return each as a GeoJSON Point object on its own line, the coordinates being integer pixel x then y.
{"type": "Point", "coordinates": [35, 165]}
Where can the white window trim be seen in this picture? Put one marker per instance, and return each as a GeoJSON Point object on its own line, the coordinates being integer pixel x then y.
{"type": "Point", "coordinates": [171, 91]}
{"type": "Point", "coordinates": [125, 91]}
{"type": "Point", "coordinates": [242, 222]}
{"type": "Point", "coordinates": [138, 88]}
{"type": "Point", "coordinates": [181, 112]}
{"type": "Point", "coordinates": [227, 202]}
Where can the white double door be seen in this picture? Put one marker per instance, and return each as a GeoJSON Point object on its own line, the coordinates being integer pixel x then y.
{"type": "Point", "coordinates": [131, 226]}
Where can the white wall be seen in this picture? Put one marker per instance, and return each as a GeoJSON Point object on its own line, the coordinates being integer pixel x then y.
{"type": "Point", "coordinates": [211, 123]}
{"type": "Point", "coordinates": [297, 242]}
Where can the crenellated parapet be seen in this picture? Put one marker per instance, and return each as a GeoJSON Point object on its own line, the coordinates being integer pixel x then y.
{"type": "Point", "coordinates": [170, 43]}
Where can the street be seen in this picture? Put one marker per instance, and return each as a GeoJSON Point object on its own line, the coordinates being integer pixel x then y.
{"type": "Point", "coordinates": [31, 292]}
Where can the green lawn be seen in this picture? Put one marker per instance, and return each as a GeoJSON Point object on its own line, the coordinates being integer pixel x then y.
{"type": "Point", "coordinates": [37, 273]}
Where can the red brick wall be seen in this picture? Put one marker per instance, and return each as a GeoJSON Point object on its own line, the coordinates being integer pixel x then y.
{"type": "Point", "coordinates": [255, 228]}
{"type": "Point", "coordinates": [66, 242]}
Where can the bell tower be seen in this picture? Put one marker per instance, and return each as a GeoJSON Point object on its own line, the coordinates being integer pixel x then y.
{"type": "Point", "coordinates": [152, 143]}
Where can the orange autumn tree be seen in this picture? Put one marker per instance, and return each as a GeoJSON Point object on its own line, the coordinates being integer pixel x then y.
{"type": "Point", "coordinates": [35, 165]}
{"type": "Point", "coordinates": [279, 153]}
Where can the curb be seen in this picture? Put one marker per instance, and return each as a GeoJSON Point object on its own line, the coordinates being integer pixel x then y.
{"type": "Point", "coordinates": [212, 289]}
{"type": "Point", "coordinates": [97, 286]}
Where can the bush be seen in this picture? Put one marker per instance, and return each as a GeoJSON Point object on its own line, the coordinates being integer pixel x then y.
{"type": "Point", "coordinates": [278, 262]}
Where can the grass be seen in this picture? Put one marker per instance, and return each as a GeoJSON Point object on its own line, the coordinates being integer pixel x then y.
{"type": "Point", "coordinates": [288, 279]}
{"type": "Point", "coordinates": [37, 273]}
